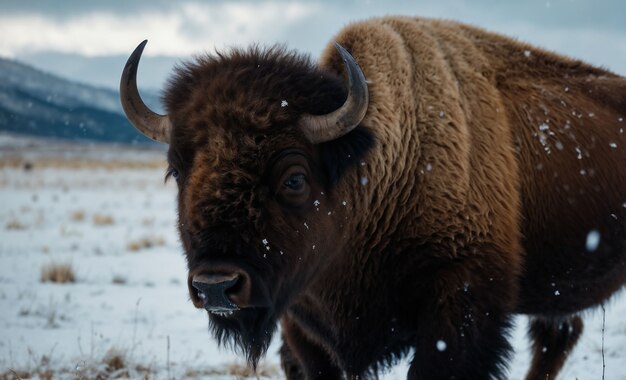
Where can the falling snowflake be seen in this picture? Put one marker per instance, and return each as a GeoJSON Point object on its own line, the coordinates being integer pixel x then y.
{"type": "Point", "coordinates": [559, 145]}
{"type": "Point", "coordinates": [441, 345]}
{"type": "Point", "coordinates": [593, 240]}
{"type": "Point", "coordinates": [284, 103]}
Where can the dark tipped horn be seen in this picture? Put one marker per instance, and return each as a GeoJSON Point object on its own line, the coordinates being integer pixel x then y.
{"type": "Point", "coordinates": [155, 126]}
{"type": "Point", "coordinates": [321, 128]}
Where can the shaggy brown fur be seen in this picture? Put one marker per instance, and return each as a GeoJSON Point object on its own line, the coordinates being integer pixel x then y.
{"type": "Point", "coordinates": [465, 196]}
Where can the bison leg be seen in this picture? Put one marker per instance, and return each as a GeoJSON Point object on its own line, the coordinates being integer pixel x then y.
{"type": "Point", "coordinates": [301, 358]}
{"type": "Point", "coordinates": [462, 324]}
{"type": "Point", "coordinates": [552, 340]}
{"type": "Point", "coordinates": [291, 365]}
{"type": "Point", "coordinates": [476, 354]}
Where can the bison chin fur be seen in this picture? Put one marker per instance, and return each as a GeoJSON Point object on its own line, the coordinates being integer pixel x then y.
{"type": "Point", "coordinates": [248, 332]}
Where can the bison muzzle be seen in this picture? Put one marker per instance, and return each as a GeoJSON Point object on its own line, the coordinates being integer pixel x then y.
{"type": "Point", "coordinates": [416, 210]}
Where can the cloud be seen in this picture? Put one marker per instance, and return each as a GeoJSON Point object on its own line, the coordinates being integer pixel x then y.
{"type": "Point", "coordinates": [190, 28]}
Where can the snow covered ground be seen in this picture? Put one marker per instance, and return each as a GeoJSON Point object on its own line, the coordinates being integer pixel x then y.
{"type": "Point", "coordinates": [115, 226]}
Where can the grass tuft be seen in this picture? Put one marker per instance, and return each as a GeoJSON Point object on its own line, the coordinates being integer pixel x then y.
{"type": "Point", "coordinates": [60, 273]}
{"type": "Point", "coordinates": [145, 243]}
{"type": "Point", "coordinates": [77, 216]}
{"type": "Point", "coordinates": [14, 225]}
{"type": "Point", "coordinates": [102, 220]}
{"type": "Point", "coordinates": [115, 361]}
{"type": "Point", "coordinates": [119, 280]}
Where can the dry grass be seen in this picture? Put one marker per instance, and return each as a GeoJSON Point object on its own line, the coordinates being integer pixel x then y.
{"type": "Point", "coordinates": [42, 373]}
{"type": "Point", "coordinates": [58, 272]}
{"type": "Point", "coordinates": [119, 280]}
{"type": "Point", "coordinates": [115, 361]}
{"type": "Point", "coordinates": [237, 371]}
{"type": "Point", "coordinates": [83, 163]}
{"type": "Point", "coordinates": [242, 370]}
{"type": "Point", "coordinates": [77, 216]}
{"type": "Point", "coordinates": [113, 365]}
{"type": "Point", "coordinates": [102, 220]}
{"type": "Point", "coordinates": [14, 224]}
{"type": "Point", "coordinates": [145, 243]}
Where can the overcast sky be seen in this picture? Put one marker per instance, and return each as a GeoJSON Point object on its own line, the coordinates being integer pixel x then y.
{"type": "Point", "coordinates": [89, 41]}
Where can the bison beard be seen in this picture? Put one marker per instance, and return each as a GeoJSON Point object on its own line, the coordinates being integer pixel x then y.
{"type": "Point", "coordinates": [419, 209]}
{"type": "Point", "coordinates": [247, 331]}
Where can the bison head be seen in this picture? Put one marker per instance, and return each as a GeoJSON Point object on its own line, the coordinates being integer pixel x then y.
{"type": "Point", "coordinates": [259, 142]}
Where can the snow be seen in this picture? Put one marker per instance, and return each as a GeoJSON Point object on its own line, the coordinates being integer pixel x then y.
{"type": "Point", "coordinates": [131, 291]}
{"type": "Point", "coordinates": [441, 346]}
{"type": "Point", "coordinates": [593, 239]}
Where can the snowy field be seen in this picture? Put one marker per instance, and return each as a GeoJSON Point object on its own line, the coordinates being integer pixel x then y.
{"type": "Point", "coordinates": [106, 215]}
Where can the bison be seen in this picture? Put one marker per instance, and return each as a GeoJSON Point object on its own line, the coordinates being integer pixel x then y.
{"type": "Point", "coordinates": [411, 203]}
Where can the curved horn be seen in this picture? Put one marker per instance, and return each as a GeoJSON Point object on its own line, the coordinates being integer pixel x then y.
{"type": "Point", "coordinates": [151, 124]}
{"type": "Point", "coordinates": [322, 128]}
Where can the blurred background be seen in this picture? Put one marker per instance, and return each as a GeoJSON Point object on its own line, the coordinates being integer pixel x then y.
{"type": "Point", "coordinates": [57, 55]}
{"type": "Point", "coordinates": [92, 278]}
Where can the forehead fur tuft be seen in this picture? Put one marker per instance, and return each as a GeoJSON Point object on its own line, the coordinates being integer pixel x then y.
{"type": "Point", "coordinates": [254, 87]}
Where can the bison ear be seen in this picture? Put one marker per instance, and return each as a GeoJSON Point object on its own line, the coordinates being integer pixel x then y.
{"type": "Point", "coordinates": [347, 151]}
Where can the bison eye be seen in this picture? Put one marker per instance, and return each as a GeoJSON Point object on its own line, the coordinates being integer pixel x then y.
{"type": "Point", "coordinates": [296, 181]}
{"type": "Point", "coordinates": [171, 172]}
{"type": "Point", "coordinates": [293, 188]}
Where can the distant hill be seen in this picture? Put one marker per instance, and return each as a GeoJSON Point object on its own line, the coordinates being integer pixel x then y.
{"type": "Point", "coordinates": [36, 103]}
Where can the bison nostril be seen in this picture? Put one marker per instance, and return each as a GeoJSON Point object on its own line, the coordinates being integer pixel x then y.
{"type": "Point", "coordinates": [212, 290]}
